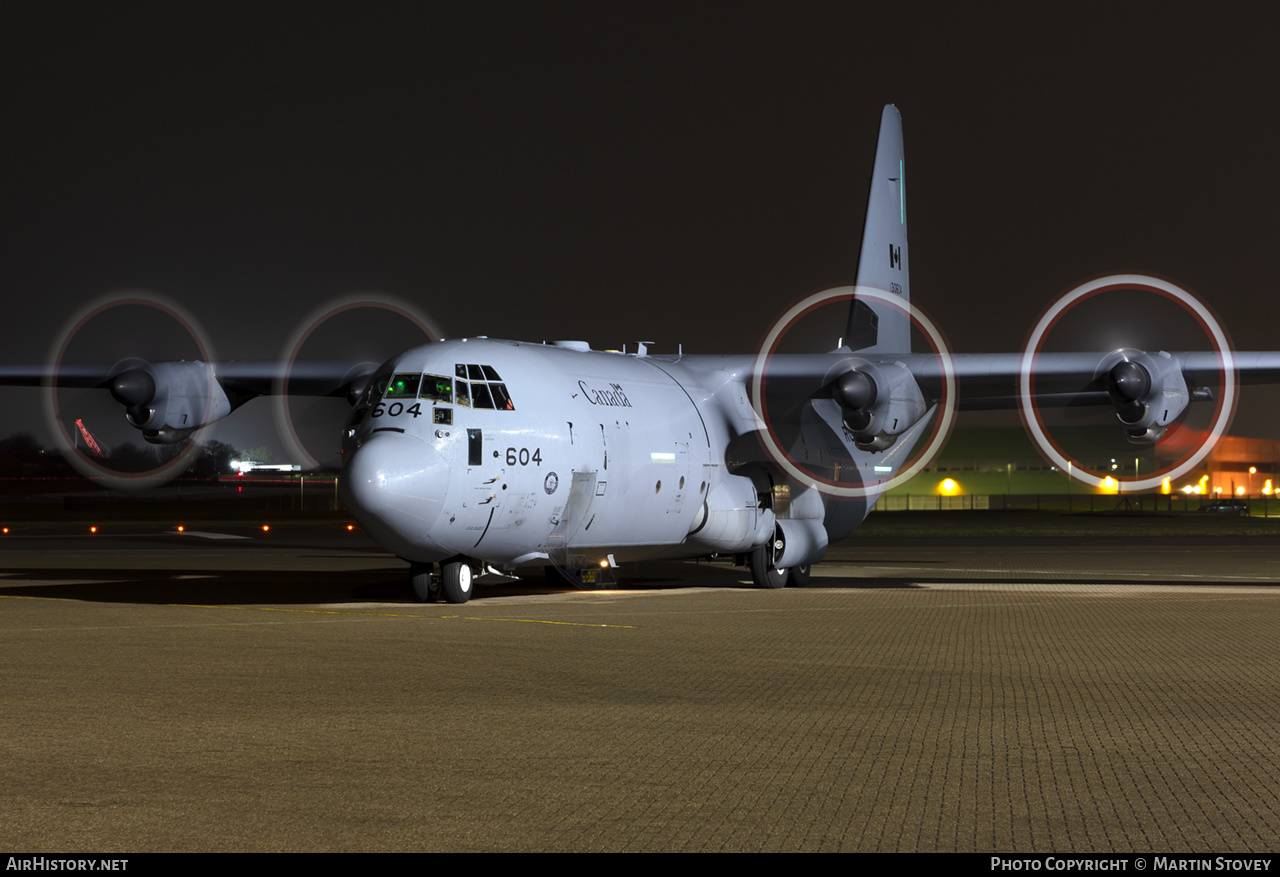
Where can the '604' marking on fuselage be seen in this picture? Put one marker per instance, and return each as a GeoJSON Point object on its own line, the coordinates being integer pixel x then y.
{"type": "Point", "coordinates": [395, 409]}
{"type": "Point", "coordinates": [523, 456]}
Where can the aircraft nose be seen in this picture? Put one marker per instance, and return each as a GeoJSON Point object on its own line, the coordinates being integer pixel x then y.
{"type": "Point", "coordinates": [395, 484]}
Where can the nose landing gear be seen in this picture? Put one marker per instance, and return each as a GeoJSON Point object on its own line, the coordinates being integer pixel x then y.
{"type": "Point", "coordinates": [453, 582]}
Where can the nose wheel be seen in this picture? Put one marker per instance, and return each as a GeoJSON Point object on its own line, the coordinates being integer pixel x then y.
{"type": "Point", "coordinates": [426, 587]}
{"type": "Point", "coordinates": [453, 582]}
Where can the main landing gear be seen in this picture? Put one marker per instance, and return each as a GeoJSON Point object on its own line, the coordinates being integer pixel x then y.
{"type": "Point", "coordinates": [453, 582]}
{"type": "Point", "coordinates": [765, 571]}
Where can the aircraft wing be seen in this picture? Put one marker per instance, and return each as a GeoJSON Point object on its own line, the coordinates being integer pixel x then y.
{"type": "Point", "coordinates": [990, 380]}
{"type": "Point", "coordinates": [882, 394]}
{"type": "Point", "coordinates": [305, 378]}
{"type": "Point", "coordinates": [169, 400]}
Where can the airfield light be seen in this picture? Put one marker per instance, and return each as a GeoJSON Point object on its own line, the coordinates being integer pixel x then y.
{"type": "Point", "coordinates": [1199, 490]}
{"type": "Point", "coordinates": [1217, 490]}
{"type": "Point", "coordinates": [1239, 491]}
{"type": "Point", "coordinates": [93, 529]}
{"type": "Point", "coordinates": [1110, 483]}
{"type": "Point", "coordinates": [604, 564]}
{"type": "Point", "coordinates": [266, 528]}
{"type": "Point", "coordinates": [6, 529]}
{"type": "Point", "coordinates": [181, 528]}
{"type": "Point", "coordinates": [350, 527]}
{"type": "Point", "coordinates": [949, 487]}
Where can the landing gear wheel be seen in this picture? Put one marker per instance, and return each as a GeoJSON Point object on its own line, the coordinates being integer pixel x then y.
{"type": "Point", "coordinates": [763, 571]}
{"type": "Point", "coordinates": [798, 576]}
{"type": "Point", "coordinates": [763, 561]}
{"type": "Point", "coordinates": [424, 590]}
{"type": "Point", "coordinates": [455, 581]}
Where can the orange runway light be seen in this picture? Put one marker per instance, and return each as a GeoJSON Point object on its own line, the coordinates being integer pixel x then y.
{"type": "Point", "coordinates": [266, 527]}
{"type": "Point", "coordinates": [93, 529]}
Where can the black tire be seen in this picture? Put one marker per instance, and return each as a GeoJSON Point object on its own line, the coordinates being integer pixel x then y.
{"type": "Point", "coordinates": [763, 572]}
{"type": "Point", "coordinates": [798, 576]}
{"type": "Point", "coordinates": [455, 580]}
{"type": "Point", "coordinates": [420, 580]}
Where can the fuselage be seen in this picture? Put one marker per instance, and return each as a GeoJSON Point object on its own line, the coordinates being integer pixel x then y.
{"type": "Point", "coordinates": [484, 460]}
{"type": "Point", "coordinates": [515, 453]}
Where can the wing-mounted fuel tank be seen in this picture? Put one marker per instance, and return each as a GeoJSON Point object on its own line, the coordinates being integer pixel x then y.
{"type": "Point", "coordinates": [879, 401]}
{"type": "Point", "coordinates": [168, 401]}
{"type": "Point", "coordinates": [1147, 390]}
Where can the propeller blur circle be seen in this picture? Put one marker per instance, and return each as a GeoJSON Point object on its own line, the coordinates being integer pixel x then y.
{"type": "Point", "coordinates": [1030, 410]}
{"type": "Point", "coordinates": [84, 464]}
{"type": "Point", "coordinates": [309, 324]}
{"type": "Point", "coordinates": [941, 430]}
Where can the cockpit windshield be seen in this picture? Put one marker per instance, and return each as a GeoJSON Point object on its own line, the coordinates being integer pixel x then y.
{"type": "Point", "coordinates": [475, 385]}
{"type": "Point", "coordinates": [403, 386]}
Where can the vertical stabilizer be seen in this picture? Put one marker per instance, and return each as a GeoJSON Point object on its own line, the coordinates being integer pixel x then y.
{"type": "Point", "coordinates": [882, 262]}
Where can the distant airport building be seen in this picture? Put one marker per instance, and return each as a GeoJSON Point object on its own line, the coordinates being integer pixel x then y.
{"type": "Point", "coordinates": [1003, 461]}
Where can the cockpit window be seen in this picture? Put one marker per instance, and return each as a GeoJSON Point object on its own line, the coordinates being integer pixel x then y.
{"type": "Point", "coordinates": [437, 389]}
{"type": "Point", "coordinates": [373, 392]}
{"type": "Point", "coordinates": [501, 400]}
{"type": "Point", "coordinates": [484, 389]}
{"type": "Point", "coordinates": [404, 386]}
{"type": "Point", "coordinates": [480, 396]}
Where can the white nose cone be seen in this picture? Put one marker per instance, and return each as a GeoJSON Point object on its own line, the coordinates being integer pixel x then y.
{"type": "Point", "coordinates": [396, 485]}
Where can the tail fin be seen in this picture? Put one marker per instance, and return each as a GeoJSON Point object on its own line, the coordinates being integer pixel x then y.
{"type": "Point", "coordinates": [882, 262]}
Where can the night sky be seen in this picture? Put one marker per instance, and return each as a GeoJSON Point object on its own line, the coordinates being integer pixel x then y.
{"type": "Point", "coordinates": [678, 173]}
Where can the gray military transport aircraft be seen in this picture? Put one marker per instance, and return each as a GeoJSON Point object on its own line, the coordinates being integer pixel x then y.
{"type": "Point", "coordinates": [477, 454]}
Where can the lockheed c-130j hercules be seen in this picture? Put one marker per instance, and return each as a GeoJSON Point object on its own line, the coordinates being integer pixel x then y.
{"type": "Point", "coordinates": [475, 453]}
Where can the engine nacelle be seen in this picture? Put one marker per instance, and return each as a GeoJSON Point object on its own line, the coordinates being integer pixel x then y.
{"type": "Point", "coordinates": [880, 402]}
{"type": "Point", "coordinates": [1148, 391]}
{"type": "Point", "coordinates": [168, 401]}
